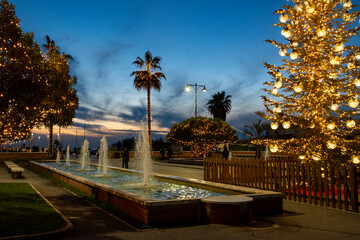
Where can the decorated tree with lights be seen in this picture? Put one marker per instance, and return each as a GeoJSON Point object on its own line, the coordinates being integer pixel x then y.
{"type": "Point", "coordinates": [61, 100]}
{"type": "Point", "coordinates": [201, 134]}
{"type": "Point", "coordinates": [21, 78]}
{"type": "Point", "coordinates": [316, 89]}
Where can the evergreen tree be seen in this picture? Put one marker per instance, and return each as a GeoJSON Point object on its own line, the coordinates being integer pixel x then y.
{"type": "Point", "coordinates": [316, 88]}
{"type": "Point", "coordinates": [21, 78]}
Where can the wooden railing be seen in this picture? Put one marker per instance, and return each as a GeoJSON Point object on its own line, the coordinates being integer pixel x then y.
{"type": "Point", "coordinates": [313, 182]}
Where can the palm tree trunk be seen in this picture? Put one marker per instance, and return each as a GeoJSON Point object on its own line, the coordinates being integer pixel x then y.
{"type": "Point", "coordinates": [149, 117]}
{"type": "Point", "coordinates": [50, 150]}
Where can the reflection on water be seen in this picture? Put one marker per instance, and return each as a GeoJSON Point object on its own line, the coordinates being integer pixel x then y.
{"type": "Point", "coordinates": [156, 190]}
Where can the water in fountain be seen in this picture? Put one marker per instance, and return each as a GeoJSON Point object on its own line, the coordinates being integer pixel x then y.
{"type": "Point", "coordinates": [266, 152]}
{"type": "Point", "coordinates": [143, 152]}
{"type": "Point", "coordinates": [103, 156]}
{"type": "Point", "coordinates": [58, 157]}
{"type": "Point", "coordinates": [67, 159]}
{"type": "Point", "coordinates": [85, 154]}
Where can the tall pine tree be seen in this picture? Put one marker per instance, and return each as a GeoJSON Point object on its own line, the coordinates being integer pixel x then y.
{"type": "Point", "coordinates": [316, 89]}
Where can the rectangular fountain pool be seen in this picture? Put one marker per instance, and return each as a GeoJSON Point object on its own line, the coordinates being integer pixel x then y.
{"type": "Point", "coordinates": [168, 203]}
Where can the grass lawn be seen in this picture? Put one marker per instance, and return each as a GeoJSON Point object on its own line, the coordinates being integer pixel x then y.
{"type": "Point", "coordinates": [23, 211]}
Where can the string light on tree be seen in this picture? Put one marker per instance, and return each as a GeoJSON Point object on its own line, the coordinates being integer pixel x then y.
{"type": "Point", "coordinates": [319, 81]}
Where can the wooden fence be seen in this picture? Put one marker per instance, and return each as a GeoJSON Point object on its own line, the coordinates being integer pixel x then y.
{"type": "Point", "coordinates": [314, 182]}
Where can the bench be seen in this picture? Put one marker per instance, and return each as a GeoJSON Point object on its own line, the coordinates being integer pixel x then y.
{"type": "Point", "coordinates": [16, 172]}
{"type": "Point", "coordinates": [231, 210]}
{"type": "Point", "coordinates": [14, 169]}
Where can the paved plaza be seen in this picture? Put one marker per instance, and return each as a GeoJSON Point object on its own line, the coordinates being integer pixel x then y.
{"type": "Point", "coordinates": [302, 221]}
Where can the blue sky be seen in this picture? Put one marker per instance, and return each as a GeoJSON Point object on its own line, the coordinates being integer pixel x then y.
{"type": "Point", "coordinates": [218, 43]}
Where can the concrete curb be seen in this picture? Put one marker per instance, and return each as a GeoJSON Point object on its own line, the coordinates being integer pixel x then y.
{"type": "Point", "coordinates": [49, 234]}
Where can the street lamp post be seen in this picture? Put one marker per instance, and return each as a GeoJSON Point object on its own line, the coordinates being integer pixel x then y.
{"type": "Point", "coordinates": [196, 87]}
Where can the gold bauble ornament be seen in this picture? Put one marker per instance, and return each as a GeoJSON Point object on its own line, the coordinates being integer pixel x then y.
{"type": "Point", "coordinates": [357, 82]}
{"type": "Point", "coordinates": [353, 102]}
{"type": "Point", "coordinates": [331, 126]}
{"type": "Point", "coordinates": [283, 18]}
{"type": "Point", "coordinates": [274, 125]}
{"type": "Point", "coordinates": [298, 88]}
{"type": "Point", "coordinates": [294, 55]}
{"type": "Point", "coordinates": [278, 84]}
{"type": "Point", "coordinates": [286, 33]}
{"type": "Point", "coordinates": [286, 125]}
{"type": "Point", "coordinates": [350, 123]}
{"type": "Point", "coordinates": [331, 144]}
{"type": "Point", "coordinates": [282, 52]}
{"type": "Point", "coordinates": [355, 159]}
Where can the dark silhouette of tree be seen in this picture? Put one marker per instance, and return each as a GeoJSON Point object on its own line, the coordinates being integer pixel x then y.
{"type": "Point", "coordinates": [148, 78]}
{"type": "Point", "coordinates": [219, 105]}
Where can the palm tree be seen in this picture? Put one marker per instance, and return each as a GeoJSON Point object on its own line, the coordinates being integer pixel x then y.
{"type": "Point", "coordinates": [256, 130]}
{"type": "Point", "coordinates": [148, 78]}
{"type": "Point", "coordinates": [219, 105]}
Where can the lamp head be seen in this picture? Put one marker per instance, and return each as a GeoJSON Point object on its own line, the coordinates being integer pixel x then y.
{"type": "Point", "coordinates": [204, 89]}
{"type": "Point", "coordinates": [187, 88]}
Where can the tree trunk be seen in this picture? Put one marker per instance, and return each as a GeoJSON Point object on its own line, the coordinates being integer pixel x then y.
{"type": "Point", "coordinates": [149, 117]}
{"type": "Point", "coordinates": [50, 150]}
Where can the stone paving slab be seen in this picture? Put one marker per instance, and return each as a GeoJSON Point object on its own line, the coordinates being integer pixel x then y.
{"type": "Point", "coordinates": [309, 222]}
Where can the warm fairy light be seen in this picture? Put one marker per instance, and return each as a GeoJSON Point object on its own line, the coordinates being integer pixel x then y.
{"type": "Point", "coordinates": [294, 55]}
{"type": "Point", "coordinates": [286, 124]}
{"type": "Point", "coordinates": [273, 148]}
{"type": "Point", "coordinates": [331, 144]}
{"type": "Point", "coordinates": [316, 157]}
{"type": "Point", "coordinates": [351, 65]}
{"type": "Point", "coordinates": [332, 75]}
{"type": "Point", "coordinates": [339, 47]}
{"type": "Point", "coordinates": [334, 107]}
{"type": "Point", "coordinates": [355, 159]}
{"type": "Point", "coordinates": [282, 52]}
{"type": "Point", "coordinates": [278, 74]}
{"type": "Point", "coordinates": [347, 4]}
{"type": "Point", "coordinates": [331, 126]}
{"type": "Point", "coordinates": [277, 109]}
{"type": "Point", "coordinates": [357, 56]}
{"type": "Point", "coordinates": [301, 157]}
{"type": "Point", "coordinates": [310, 9]}
{"type": "Point", "coordinates": [350, 123]}
{"type": "Point", "coordinates": [278, 84]}
{"type": "Point", "coordinates": [353, 102]}
{"type": "Point", "coordinates": [298, 88]}
{"type": "Point", "coordinates": [335, 60]}
{"type": "Point", "coordinates": [274, 125]}
{"type": "Point", "coordinates": [321, 32]}
{"type": "Point", "coordinates": [283, 18]}
{"type": "Point", "coordinates": [312, 125]}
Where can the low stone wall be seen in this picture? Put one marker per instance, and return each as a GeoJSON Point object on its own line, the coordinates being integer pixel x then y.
{"type": "Point", "coordinates": [22, 155]}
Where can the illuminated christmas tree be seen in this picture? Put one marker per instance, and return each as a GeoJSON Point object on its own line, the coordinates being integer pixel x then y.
{"type": "Point", "coordinates": [316, 89]}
